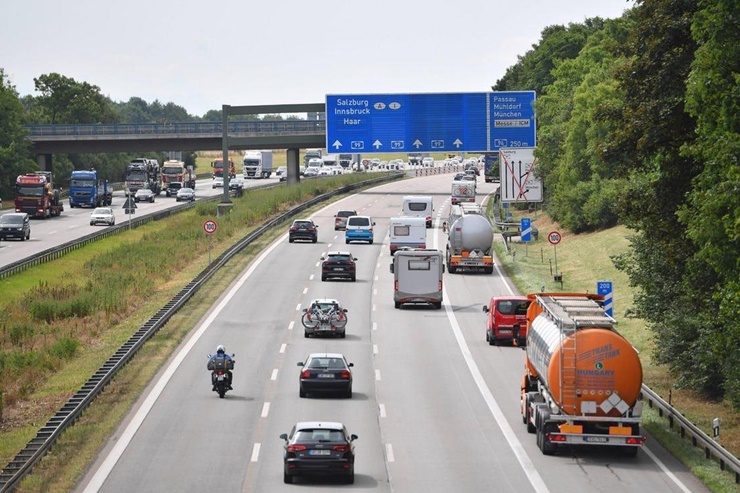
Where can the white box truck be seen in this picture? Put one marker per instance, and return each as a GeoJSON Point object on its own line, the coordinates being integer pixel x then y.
{"type": "Point", "coordinates": [407, 232]}
{"type": "Point", "coordinates": [257, 164]}
{"type": "Point", "coordinates": [417, 277]}
{"type": "Point", "coordinates": [418, 206]}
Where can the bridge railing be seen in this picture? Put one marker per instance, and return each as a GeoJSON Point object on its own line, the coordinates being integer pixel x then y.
{"type": "Point", "coordinates": [276, 127]}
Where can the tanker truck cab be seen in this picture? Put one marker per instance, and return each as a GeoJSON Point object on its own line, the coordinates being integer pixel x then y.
{"type": "Point", "coordinates": [417, 277]}
{"type": "Point", "coordinates": [418, 206]}
{"type": "Point", "coordinates": [506, 320]}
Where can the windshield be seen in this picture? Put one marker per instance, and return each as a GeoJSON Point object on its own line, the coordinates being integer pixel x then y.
{"type": "Point", "coordinates": [172, 171]}
{"type": "Point", "coordinates": [136, 176]}
{"type": "Point", "coordinates": [103, 211]}
{"type": "Point", "coordinates": [359, 221]}
{"type": "Point", "coordinates": [339, 258]}
{"type": "Point", "coordinates": [11, 219]}
{"type": "Point", "coordinates": [30, 190]}
{"type": "Point", "coordinates": [319, 435]}
{"type": "Point", "coordinates": [251, 162]}
{"type": "Point", "coordinates": [81, 183]}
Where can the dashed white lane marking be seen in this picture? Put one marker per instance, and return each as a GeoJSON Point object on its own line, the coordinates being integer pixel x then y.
{"type": "Point", "coordinates": [375, 349]}
{"type": "Point", "coordinates": [290, 325]}
{"type": "Point", "coordinates": [305, 290]}
{"type": "Point", "coordinates": [377, 265]}
{"type": "Point", "coordinates": [282, 348]}
{"type": "Point", "coordinates": [375, 291]}
{"type": "Point", "coordinates": [265, 409]}
{"type": "Point", "coordinates": [375, 325]}
{"type": "Point", "coordinates": [318, 263]}
{"type": "Point", "coordinates": [375, 307]}
{"type": "Point", "coordinates": [377, 374]}
{"type": "Point", "coordinates": [389, 452]}
{"type": "Point", "coordinates": [274, 374]}
{"type": "Point", "coordinates": [376, 278]}
{"type": "Point", "coordinates": [310, 278]}
{"type": "Point", "coordinates": [255, 452]}
{"type": "Point", "coordinates": [382, 410]}
{"type": "Point", "coordinates": [298, 307]}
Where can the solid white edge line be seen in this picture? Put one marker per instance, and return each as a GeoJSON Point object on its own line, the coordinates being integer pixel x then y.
{"type": "Point", "coordinates": [665, 469]}
{"type": "Point", "coordinates": [255, 452]}
{"type": "Point", "coordinates": [265, 410]}
{"type": "Point", "coordinates": [128, 434]}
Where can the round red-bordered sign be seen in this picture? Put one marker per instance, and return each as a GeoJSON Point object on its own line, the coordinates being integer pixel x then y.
{"type": "Point", "coordinates": [210, 226]}
{"type": "Point", "coordinates": [554, 237]}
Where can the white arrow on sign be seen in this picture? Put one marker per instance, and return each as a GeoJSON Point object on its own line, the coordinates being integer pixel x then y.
{"type": "Point", "coordinates": [336, 144]}
{"type": "Point", "coordinates": [417, 143]}
{"type": "Point", "coordinates": [457, 143]}
{"type": "Point", "coordinates": [377, 144]}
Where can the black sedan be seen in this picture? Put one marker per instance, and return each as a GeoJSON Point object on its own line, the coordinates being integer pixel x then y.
{"type": "Point", "coordinates": [303, 229]}
{"type": "Point", "coordinates": [319, 448]}
{"type": "Point", "coordinates": [338, 265]}
{"type": "Point", "coordinates": [325, 373]}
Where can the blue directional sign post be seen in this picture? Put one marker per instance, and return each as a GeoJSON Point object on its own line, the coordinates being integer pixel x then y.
{"type": "Point", "coordinates": [526, 228]}
{"type": "Point", "coordinates": [442, 122]}
{"type": "Point", "coordinates": [605, 289]}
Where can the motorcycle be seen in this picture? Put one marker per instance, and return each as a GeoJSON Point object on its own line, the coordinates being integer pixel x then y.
{"type": "Point", "coordinates": [221, 380]}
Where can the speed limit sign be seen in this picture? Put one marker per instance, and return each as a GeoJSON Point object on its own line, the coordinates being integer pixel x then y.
{"type": "Point", "coordinates": [210, 226]}
{"type": "Point", "coordinates": [554, 237]}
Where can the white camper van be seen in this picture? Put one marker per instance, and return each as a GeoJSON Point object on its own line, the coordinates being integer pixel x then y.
{"type": "Point", "coordinates": [417, 275]}
{"type": "Point", "coordinates": [408, 232]}
{"type": "Point", "coordinates": [418, 206]}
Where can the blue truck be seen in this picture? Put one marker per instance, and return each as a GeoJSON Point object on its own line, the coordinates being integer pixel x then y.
{"type": "Point", "coordinates": [87, 189]}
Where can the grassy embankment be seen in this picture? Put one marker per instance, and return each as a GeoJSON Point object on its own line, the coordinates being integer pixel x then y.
{"type": "Point", "coordinates": [60, 321]}
{"type": "Point", "coordinates": [584, 259]}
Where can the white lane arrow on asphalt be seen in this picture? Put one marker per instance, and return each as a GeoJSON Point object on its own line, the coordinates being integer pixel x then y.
{"type": "Point", "coordinates": [417, 143]}
{"type": "Point", "coordinates": [336, 144]}
{"type": "Point", "coordinates": [377, 144]}
{"type": "Point", "coordinates": [457, 143]}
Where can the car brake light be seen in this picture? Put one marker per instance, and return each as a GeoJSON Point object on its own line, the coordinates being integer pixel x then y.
{"type": "Point", "coordinates": [296, 448]}
{"type": "Point", "coordinates": [395, 285]}
{"type": "Point", "coordinates": [344, 375]}
{"type": "Point", "coordinates": [440, 286]}
{"type": "Point", "coordinates": [293, 228]}
{"type": "Point", "coordinates": [305, 374]}
{"type": "Point", "coordinates": [341, 448]}
{"type": "Point", "coordinates": [554, 437]}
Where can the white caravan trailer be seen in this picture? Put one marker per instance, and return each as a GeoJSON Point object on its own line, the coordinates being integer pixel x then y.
{"type": "Point", "coordinates": [408, 232]}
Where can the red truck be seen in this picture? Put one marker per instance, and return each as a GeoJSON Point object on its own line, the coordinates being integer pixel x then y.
{"type": "Point", "coordinates": [506, 320]}
{"type": "Point", "coordinates": [35, 195]}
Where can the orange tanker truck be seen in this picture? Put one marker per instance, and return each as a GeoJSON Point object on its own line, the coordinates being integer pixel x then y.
{"type": "Point", "coordinates": [582, 380]}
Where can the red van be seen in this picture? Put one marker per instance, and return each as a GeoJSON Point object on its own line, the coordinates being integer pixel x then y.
{"type": "Point", "coordinates": [507, 319]}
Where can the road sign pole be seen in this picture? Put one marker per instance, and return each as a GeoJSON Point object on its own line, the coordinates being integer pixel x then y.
{"type": "Point", "coordinates": [209, 249]}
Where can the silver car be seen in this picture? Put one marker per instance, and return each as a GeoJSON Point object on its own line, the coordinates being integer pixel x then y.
{"type": "Point", "coordinates": [102, 215]}
{"type": "Point", "coordinates": [185, 194]}
{"type": "Point", "coordinates": [144, 195]}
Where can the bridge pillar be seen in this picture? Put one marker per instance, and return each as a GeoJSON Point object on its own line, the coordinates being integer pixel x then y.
{"type": "Point", "coordinates": [44, 162]}
{"type": "Point", "coordinates": [294, 166]}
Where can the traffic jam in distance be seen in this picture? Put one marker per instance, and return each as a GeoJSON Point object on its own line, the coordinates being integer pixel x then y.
{"type": "Point", "coordinates": [554, 405]}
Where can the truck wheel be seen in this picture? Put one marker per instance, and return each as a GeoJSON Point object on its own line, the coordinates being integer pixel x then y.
{"type": "Point", "coordinates": [397, 304]}
{"type": "Point", "coordinates": [451, 269]}
{"type": "Point", "coordinates": [491, 339]}
{"type": "Point", "coordinates": [438, 305]}
{"type": "Point", "coordinates": [488, 270]}
{"type": "Point", "coordinates": [306, 334]}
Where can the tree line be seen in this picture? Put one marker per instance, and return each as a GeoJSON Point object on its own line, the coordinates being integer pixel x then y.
{"type": "Point", "coordinates": [638, 125]}
{"type": "Point", "coordinates": [638, 121]}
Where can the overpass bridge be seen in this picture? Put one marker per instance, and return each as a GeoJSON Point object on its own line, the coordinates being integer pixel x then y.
{"type": "Point", "coordinates": [187, 136]}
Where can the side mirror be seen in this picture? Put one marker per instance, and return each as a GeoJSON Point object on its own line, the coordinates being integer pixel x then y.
{"type": "Point", "coordinates": [322, 258]}
{"type": "Point", "coordinates": [352, 437]}
{"type": "Point", "coordinates": [443, 268]}
{"type": "Point", "coordinates": [305, 310]}
{"type": "Point", "coordinates": [351, 365]}
{"type": "Point", "coordinates": [392, 269]}
{"type": "Point", "coordinates": [300, 363]}
{"type": "Point", "coordinates": [344, 310]}
{"type": "Point", "coordinates": [485, 308]}
{"type": "Point", "coordinates": [284, 436]}
{"type": "Point", "coordinates": [354, 258]}
{"type": "Point", "coordinates": [373, 223]}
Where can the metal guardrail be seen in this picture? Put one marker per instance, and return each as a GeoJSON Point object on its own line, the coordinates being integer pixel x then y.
{"type": "Point", "coordinates": [277, 127]}
{"type": "Point", "coordinates": [698, 438]}
{"type": "Point", "coordinates": [66, 416]}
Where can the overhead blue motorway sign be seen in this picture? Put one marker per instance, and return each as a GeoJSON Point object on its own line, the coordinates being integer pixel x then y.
{"type": "Point", "coordinates": [443, 122]}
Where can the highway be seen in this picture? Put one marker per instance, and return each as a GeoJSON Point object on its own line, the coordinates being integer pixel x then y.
{"type": "Point", "coordinates": [436, 409]}
{"type": "Point", "coordinates": [75, 223]}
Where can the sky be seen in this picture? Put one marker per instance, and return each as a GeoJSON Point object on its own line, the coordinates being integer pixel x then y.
{"type": "Point", "coordinates": [202, 54]}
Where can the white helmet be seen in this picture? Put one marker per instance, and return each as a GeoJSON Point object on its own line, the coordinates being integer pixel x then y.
{"type": "Point", "coordinates": [220, 349]}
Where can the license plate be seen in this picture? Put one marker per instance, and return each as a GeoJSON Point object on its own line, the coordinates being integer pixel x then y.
{"type": "Point", "coordinates": [319, 452]}
{"type": "Point", "coordinates": [339, 268]}
{"type": "Point", "coordinates": [220, 378]}
{"type": "Point", "coordinates": [596, 439]}
{"type": "Point", "coordinates": [504, 331]}
{"type": "Point", "coordinates": [326, 375]}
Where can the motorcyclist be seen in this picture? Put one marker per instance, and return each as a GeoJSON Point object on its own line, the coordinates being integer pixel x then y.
{"type": "Point", "coordinates": [224, 360]}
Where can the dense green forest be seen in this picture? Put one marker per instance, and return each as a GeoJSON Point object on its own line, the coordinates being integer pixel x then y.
{"type": "Point", "coordinates": [638, 124]}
